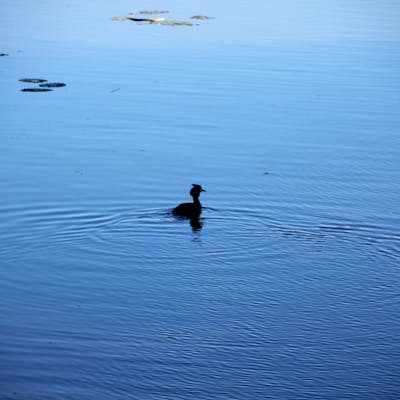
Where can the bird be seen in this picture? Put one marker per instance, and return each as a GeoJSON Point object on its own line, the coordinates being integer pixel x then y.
{"type": "Point", "coordinates": [190, 210]}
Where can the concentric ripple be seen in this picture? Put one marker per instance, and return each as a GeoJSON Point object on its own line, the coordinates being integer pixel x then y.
{"type": "Point", "coordinates": [225, 236]}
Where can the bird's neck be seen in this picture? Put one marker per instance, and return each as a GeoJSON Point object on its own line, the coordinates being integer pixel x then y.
{"type": "Point", "coordinates": [196, 201]}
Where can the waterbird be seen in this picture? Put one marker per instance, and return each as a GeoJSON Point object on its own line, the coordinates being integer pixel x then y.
{"type": "Point", "coordinates": [190, 210]}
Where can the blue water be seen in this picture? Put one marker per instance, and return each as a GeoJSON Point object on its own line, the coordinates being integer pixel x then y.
{"type": "Point", "coordinates": [287, 115]}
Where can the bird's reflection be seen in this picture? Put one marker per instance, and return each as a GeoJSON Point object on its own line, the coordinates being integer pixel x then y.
{"type": "Point", "coordinates": [196, 224]}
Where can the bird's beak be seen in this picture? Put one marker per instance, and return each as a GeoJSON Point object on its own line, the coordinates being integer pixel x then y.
{"type": "Point", "coordinates": [203, 190]}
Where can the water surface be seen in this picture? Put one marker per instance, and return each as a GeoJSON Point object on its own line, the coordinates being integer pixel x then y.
{"type": "Point", "coordinates": [288, 290]}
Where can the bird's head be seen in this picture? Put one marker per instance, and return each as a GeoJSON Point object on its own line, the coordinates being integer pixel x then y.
{"type": "Point", "coordinates": [196, 190]}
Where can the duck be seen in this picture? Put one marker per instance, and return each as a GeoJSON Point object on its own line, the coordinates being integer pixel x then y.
{"type": "Point", "coordinates": [190, 210]}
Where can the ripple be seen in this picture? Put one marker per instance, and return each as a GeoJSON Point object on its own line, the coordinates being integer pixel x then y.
{"type": "Point", "coordinates": [227, 236]}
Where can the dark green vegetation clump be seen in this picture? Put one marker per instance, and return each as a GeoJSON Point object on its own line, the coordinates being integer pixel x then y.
{"type": "Point", "coordinates": [43, 85]}
{"type": "Point", "coordinates": [36, 90]}
{"type": "Point", "coordinates": [31, 80]}
{"type": "Point", "coordinates": [52, 85]}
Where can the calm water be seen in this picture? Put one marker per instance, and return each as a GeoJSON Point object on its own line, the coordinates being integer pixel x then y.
{"type": "Point", "coordinates": [290, 290]}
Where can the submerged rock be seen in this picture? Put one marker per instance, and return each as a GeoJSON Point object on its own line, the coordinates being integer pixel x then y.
{"type": "Point", "coordinates": [30, 80]}
{"type": "Point", "coordinates": [52, 85]}
{"type": "Point", "coordinates": [36, 90]}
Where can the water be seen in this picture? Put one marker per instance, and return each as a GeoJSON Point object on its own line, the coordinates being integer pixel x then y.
{"type": "Point", "coordinates": [289, 289]}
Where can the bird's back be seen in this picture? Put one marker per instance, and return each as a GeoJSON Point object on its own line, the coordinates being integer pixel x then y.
{"type": "Point", "coordinates": [187, 210]}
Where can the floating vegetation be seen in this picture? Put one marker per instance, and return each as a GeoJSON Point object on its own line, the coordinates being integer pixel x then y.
{"type": "Point", "coordinates": [160, 21]}
{"type": "Point", "coordinates": [202, 17]}
{"type": "Point", "coordinates": [36, 90]}
{"type": "Point", "coordinates": [121, 18]}
{"type": "Point", "coordinates": [43, 87]}
{"type": "Point", "coordinates": [154, 12]}
{"type": "Point", "coordinates": [52, 85]}
{"type": "Point", "coordinates": [175, 23]}
{"type": "Point", "coordinates": [150, 20]}
{"type": "Point", "coordinates": [30, 80]}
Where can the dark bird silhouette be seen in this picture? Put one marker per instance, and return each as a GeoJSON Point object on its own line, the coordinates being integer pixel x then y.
{"type": "Point", "coordinates": [190, 210]}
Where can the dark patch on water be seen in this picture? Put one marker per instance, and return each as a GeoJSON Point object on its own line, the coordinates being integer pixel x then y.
{"type": "Point", "coordinates": [43, 87]}
{"type": "Point", "coordinates": [36, 90]}
{"type": "Point", "coordinates": [32, 80]}
{"type": "Point", "coordinates": [52, 85]}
